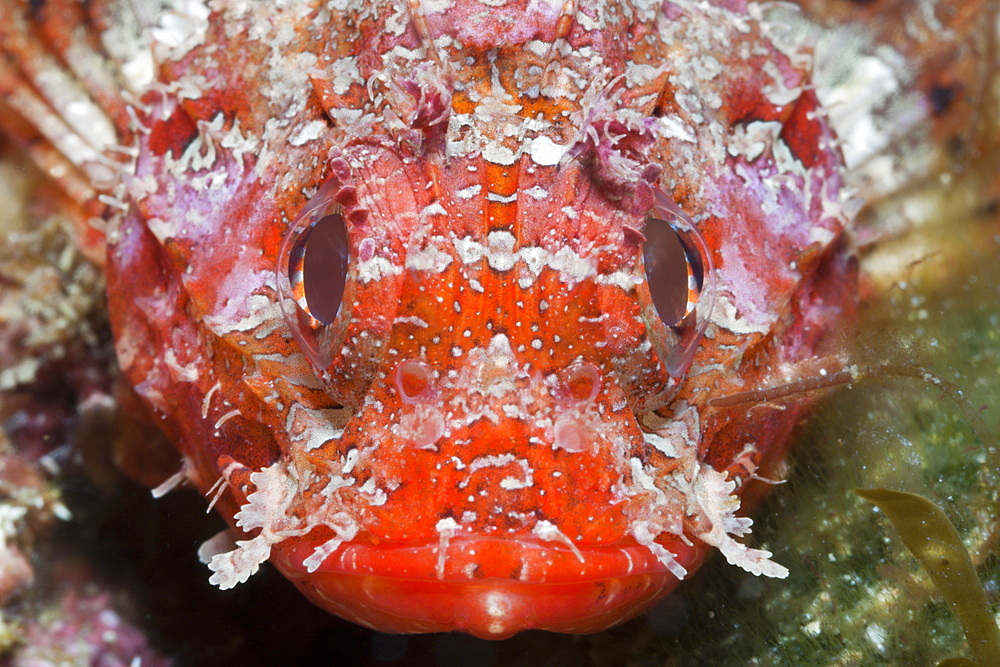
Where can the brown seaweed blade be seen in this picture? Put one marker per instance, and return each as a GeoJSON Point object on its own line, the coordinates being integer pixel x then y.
{"type": "Point", "coordinates": [930, 536]}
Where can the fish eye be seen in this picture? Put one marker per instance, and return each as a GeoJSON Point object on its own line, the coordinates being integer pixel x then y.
{"type": "Point", "coordinates": [324, 299]}
{"type": "Point", "coordinates": [318, 266]}
{"type": "Point", "coordinates": [311, 276]}
{"type": "Point", "coordinates": [680, 278]}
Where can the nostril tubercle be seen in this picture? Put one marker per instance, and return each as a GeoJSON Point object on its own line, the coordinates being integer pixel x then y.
{"type": "Point", "coordinates": [583, 383]}
{"type": "Point", "coordinates": [413, 379]}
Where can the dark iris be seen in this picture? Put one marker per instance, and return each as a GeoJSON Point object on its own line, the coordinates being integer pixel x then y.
{"type": "Point", "coordinates": [668, 264]}
{"type": "Point", "coordinates": [322, 254]}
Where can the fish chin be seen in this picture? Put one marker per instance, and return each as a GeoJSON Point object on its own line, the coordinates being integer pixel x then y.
{"type": "Point", "coordinates": [486, 586]}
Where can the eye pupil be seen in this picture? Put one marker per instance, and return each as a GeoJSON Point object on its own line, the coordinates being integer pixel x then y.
{"type": "Point", "coordinates": [324, 260]}
{"type": "Point", "coordinates": [667, 270]}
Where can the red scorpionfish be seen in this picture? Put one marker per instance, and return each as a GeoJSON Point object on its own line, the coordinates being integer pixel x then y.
{"type": "Point", "coordinates": [434, 297]}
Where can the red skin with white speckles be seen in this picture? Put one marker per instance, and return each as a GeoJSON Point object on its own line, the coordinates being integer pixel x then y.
{"type": "Point", "coordinates": [500, 268]}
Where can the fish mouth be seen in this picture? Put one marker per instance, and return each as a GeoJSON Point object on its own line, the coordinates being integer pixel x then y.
{"type": "Point", "coordinates": [486, 586]}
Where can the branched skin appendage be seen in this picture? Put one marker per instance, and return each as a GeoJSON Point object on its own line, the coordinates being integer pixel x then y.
{"type": "Point", "coordinates": [497, 430]}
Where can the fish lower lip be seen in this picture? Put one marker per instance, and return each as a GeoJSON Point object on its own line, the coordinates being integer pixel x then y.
{"type": "Point", "coordinates": [488, 587]}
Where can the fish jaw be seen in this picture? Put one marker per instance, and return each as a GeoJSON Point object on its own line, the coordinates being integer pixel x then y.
{"type": "Point", "coordinates": [486, 587]}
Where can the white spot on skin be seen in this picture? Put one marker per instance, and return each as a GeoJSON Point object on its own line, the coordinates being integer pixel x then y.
{"type": "Point", "coordinates": [778, 93]}
{"type": "Point", "coordinates": [820, 235]}
{"type": "Point", "coordinates": [752, 139]}
{"type": "Point", "coordinates": [430, 258]}
{"type": "Point", "coordinates": [493, 460]}
{"type": "Point", "coordinates": [499, 609]}
{"type": "Point", "coordinates": [469, 192]}
{"type": "Point", "coordinates": [436, 6]}
{"type": "Point", "coordinates": [537, 192]}
{"type": "Point", "coordinates": [672, 127]}
{"type": "Point", "coordinates": [572, 267]}
{"type": "Point", "coordinates": [311, 428]}
{"type": "Point", "coordinates": [309, 132]}
{"type": "Point", "coordinates": [534, 258]}
{"type": "Point", "coordinates": [501, 199]}
{"type": "Point", "coordinates": [431, 210]}
{"type": "Point", "coordinates": [469, 250]}
{"type": "Point", "coordinates": [343, 72]}
{"type": "Point", "coordinates": [178, 372]}
{"type": "Point", "coordinates": [498, 154]}
{"type": "Point", "coordinates": [375, 496]}
{"type": "Point", "coordinates": [415, 321]}
{"type": "Point", "coordinates": [240, 312]}
{"type": "Point", "coordinates": [501, 255]}
{"type": "Point", "coordinates": [640, 74]}
{"type": "Point", "coordinates": [376, 269]}
{"type": "Point", "coordinates": [569, 434]}
{"type": "Point", "coordinates": [546, 152]}
{"type": "Point", "coordinates": [725, 315]}
{"type": "Point", "coordinates": [513, 483]}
